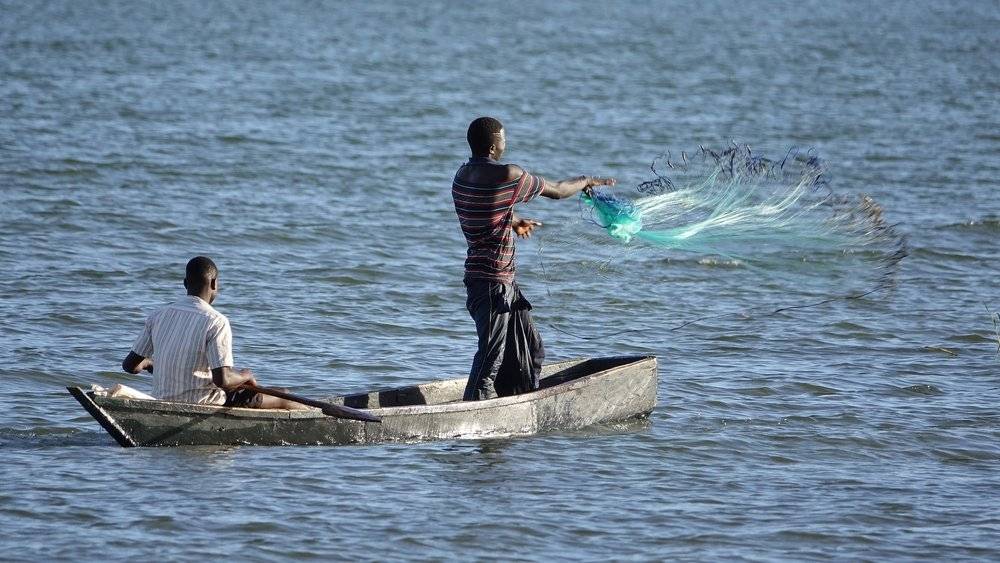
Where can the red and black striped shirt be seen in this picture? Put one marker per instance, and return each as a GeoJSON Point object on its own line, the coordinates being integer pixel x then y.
{"type": "Point", "coordinates": [485, 212]}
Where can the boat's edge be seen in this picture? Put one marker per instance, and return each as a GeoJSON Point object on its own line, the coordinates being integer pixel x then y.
{"type": "Point", "coordinates": [341, 399]}
{"type": "Point", "coordinates": [106, 421]}
{"type": "Point", "coordinates": [191, 408]}
{"type": "Point", "coordinates": [515, 399]}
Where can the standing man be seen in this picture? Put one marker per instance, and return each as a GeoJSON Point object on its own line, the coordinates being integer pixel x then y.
{"type": "Point", "coordinates": [509, 358]}
{"type": "Point", "coordinates": [192, 344]}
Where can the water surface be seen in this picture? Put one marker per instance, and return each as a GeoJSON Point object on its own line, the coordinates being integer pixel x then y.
{"type": "Point", "coordinates": [308, 147]}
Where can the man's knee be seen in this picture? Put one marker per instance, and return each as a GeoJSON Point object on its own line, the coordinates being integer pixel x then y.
{"type": "Point", "coordinates": [480, 391]}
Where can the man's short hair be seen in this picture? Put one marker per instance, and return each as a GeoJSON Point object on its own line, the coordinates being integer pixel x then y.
{"type": "Point", "coordinates": [200, 270]}
{"type": "Point", "coordinates": [483, 132]}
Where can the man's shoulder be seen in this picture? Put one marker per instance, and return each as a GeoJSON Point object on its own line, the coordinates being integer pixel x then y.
{"type": "Point", "coordinates": [491, 174]}
{"type": "Point", "coordinates": [197, 306]}
{"type": "Point", "coordinates": [506, 173]}
{"type": "Point", "coordinates": [514, 172]}
{"type": "Point", "coordinates": [212, 313]}
{"type": "Point", "coordinates": [160, 311]}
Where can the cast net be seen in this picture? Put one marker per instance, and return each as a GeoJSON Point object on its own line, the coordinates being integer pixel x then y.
{"type": "Point", "coordinates": [777, 221]}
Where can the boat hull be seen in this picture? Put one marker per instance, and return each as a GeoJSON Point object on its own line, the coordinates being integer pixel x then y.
{"type": "Point", "coordinates": [573, 394]}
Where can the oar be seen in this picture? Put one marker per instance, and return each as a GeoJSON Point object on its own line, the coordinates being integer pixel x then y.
{"type": "Point", "coordinates": [328, 409]}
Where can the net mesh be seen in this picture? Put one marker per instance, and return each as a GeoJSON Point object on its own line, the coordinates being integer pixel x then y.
{"type": "Point", "coordinates": [777, 221]}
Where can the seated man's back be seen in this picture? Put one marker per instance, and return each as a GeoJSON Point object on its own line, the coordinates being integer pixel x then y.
{"type": "Point", "coordinates": [190, 338]}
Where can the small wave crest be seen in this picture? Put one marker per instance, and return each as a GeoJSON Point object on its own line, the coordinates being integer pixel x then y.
{"type": "Point", "coordinates": [988, 224]}
{"type": "Point", "coordinates": [50, 436]}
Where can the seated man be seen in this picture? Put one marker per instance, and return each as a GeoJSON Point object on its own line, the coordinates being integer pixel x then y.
{"type": "Point", "coordinates": [192, 344]}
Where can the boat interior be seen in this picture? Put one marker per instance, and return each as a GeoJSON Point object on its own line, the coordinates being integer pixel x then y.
{"type": "Point", "coordinates": [451, 390]}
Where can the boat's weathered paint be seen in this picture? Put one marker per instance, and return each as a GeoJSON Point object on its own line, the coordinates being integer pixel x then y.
{"type": "Point", "coordinates": [573, 394]}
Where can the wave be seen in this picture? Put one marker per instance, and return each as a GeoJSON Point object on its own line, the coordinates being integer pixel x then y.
{"type": "Point", "coordinates": [988, 224]}
{"type": "Point", "coordinates": [50, 436]}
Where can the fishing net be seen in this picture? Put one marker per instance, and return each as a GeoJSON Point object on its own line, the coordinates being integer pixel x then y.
{"type": "Point", "coordinates": [777, 221]}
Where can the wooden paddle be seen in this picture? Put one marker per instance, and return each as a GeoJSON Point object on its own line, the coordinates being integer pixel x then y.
{"type": "Point", "coordinates": [328, 409]}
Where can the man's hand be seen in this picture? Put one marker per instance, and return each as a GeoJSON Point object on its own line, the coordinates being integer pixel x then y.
{"type": "Point", "coordinates": [593, 181]}
{"type": "Point", "coordinates": [523, 227]}
{"type": "Point", "coordinates": [251, 381]}
{"type": "Point", "coordinates": [566, 188]}
{"type": "Point", "coordinates": [134, 363]}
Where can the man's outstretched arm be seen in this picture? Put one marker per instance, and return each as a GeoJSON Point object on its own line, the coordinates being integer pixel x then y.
{"type": "Point", "coordinates": [572, 186]}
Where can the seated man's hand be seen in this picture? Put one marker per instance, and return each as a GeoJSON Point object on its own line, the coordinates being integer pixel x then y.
{"type": "Point", "coordinates": [251, 380]}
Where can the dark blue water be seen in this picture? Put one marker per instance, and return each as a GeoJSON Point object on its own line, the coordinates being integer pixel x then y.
{"type": "Point", "coordinates": [308, 147]}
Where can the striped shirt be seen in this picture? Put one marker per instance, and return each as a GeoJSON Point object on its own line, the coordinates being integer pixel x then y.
{"type": "Point", "coordinates": [186, 340]}
{"type": "Point", "coordinates": [485, 212]}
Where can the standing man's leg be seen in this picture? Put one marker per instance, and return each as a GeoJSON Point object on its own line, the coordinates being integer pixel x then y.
{"type": "Point", "coordinates": [510, 378]}
{"type": "Point", "coordinates": [523, 353]}
{"type": "Point", "coordinates": [489, 306]}
{"type": "Point", "coordinates": [530, 350]}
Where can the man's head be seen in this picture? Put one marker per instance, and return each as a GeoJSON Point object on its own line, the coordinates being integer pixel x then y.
{"type": "Point", "coordinates": [486, 137]}
{"type": "Point", "coordinates": [201, 278]}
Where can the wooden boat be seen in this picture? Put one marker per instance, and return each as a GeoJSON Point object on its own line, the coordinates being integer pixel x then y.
{"type": "Point", "coordinates": [573, 394]}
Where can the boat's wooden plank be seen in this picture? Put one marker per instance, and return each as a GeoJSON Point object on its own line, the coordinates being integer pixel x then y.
{"type": "Point", "coordinates": [169, 429]}
{"type": "Point", "coordinates": [109, 423]}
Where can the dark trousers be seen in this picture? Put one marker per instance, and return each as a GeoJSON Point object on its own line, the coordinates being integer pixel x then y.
{"type": "Point", "coordinates": [510, 354]}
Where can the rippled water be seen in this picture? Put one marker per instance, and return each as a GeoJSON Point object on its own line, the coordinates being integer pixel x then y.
{"type": "Point", "coordinates": [308, 147]}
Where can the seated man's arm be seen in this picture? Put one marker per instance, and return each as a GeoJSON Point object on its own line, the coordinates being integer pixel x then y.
{"type": "Point", "coordinates": [134, 363]}
{"type": "Point", "coordinates": [140, 357]}
{"type": "Point", "coordinates": [219, 352]}
{"type": "Point", "coordinates": [228, 378]}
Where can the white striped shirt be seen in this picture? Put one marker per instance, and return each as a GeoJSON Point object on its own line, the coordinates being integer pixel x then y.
{"type": "Point", "coordinates": [186, 340]}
